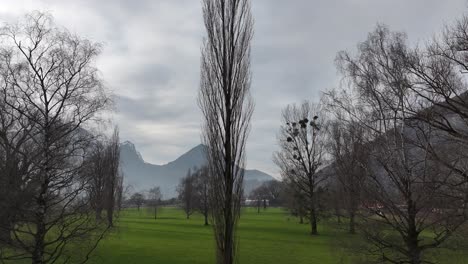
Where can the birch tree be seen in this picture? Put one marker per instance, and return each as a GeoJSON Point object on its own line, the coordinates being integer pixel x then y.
{"type": "Point", "coordinates": [49, 76]}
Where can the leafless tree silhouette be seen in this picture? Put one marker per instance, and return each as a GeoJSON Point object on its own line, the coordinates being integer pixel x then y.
{"type": "Point", "coordinates": [302, 141]}
{"type": "Point", "coordinates": [408, 191]}
{"type": "Point", "coordinates": [188, 193]}
{"type": "Point", "coordinates": [137, 199]}
{"type": "Point", "coordinates": [350, 159]}
{"type": "Point", "coordinates": [49, 79]}
{"type": "Point", "coordinates": [154, 200]}
{"type": "Point", "coordinates": [202, 189]}
{"type": "Point", "coordinates": [101, 172]}
{"type": "Point", "coordinates": [227, 108]}
{"type": "Point", "coordinates": [114, 179]}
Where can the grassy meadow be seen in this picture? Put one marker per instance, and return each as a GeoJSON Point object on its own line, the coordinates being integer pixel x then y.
{"type": "Point", "coordinates": [269, 237]}
{"type": "Point", "coordinates": [273, 236]}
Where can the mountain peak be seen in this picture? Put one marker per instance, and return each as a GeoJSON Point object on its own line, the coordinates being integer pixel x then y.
{"type": "Point", "coordinates": [142, 175]}
{"type": "Point", "coordinates": [196, 155]}
{"type": "Point", "coordinates": [127, 144]}
{"type": "Point", "coordinates": [130, 153]}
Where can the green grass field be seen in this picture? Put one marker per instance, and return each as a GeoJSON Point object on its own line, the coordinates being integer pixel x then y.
{"type": "Point", "coordinates": [272, 236]}
{"type": "Point", "coordinates": [269, 237]}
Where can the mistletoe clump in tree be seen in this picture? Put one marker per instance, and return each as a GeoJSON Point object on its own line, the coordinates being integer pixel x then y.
{"type": "Point", "coordinates": [302, 148]}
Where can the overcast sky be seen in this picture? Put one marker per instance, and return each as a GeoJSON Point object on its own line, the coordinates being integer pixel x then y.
{"type": "Point", "coordinates": [152, 51]}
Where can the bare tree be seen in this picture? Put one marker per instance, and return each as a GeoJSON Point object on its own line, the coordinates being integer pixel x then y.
{"type": "Point", "coordinates": [295, 201]}
{"type": "Point", "coordinates": [94, 173]}
{"type": "Point", "coordinates": [48, 75]}
{"type": "Point", "coordinates": [137, 199]}
{"type": "Point", "coordinates": [337, 199]}
{"type": "Point", "coordinates": [438, 73]}
{"type": "Point", "coordinates": [114, 179]}
{"type": "Point", "coordinates": [101, 172]}
{"type": "Point", "coordinates": [202, 188]}
{"type": "Point", "coordinates": [262, 197]}
{"type": "Point", "coordinates": [407, 192]}
{"type": "Point", "coordinates": [302, 142]}
{"type": "Point", "coordinates": [154, 199]}
{"type": "Point", "coordinates": [121, 191]}
{"type": "Point", "coordinates": [274, 189]}
{"type": "Point", "coordinates": [188, 194]}
{"type": "Point", "coordinates": [227, 107]}
{"type": "Point", "coordinates": [257, 195]}
{"type": "Point", "coordinates": [350, 160]}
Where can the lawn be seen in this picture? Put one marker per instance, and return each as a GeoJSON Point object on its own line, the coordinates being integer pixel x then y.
{"type": "Point", "coordinates": [269, 237]}
{"type": "Point", "coordinates": [272, 236]}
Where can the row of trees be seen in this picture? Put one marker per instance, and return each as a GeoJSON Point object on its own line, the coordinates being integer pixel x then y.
{"type": "Point", "coordinates": [194, 192]}
{"type": "Point", "coordinates": [55, 176]}
{"type": "Point", "coordinates": [269, 193]}
{"type": "Point", "coordinates": [152, 200]}
{"type": "Point", "coordinates": [388, 149]}
{"type": "Point", "coordinates": [104, 180]}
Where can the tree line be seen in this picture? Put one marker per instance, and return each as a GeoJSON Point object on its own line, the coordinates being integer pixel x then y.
{"type": "Point", "coordinates": [386, 150]}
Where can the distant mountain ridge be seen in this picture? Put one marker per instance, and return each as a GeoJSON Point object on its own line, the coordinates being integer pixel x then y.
{"type": "Point", "coordinates": [142, 175]}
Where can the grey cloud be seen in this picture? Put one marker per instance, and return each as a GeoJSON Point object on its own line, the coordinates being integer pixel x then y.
{"type": "Point", "coordinates": [150, 76]}
{"type": "Point", "coordinates": [152, 51]}
{"type": "Point", "coordinates": [151, 109]}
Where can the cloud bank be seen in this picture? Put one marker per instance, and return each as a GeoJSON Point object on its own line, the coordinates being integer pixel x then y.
{"type": "Point", "coordinates": [151, 58]}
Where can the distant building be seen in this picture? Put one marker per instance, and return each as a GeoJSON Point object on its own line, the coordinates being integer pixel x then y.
{"type": "Point", "coordinates": [249, 202]}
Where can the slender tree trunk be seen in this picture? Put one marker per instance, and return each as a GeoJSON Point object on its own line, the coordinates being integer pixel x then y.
{"type": "Point", "coordinates": [312, 208]}
{"type": "Point", "coordinates": [6, 226]}
{"type": "Point", "coordinates": [338, 215]}
{"type": "Point", "coordinates": [112, 176]}
{"type": "Point", "coordinates": [39, 237]}
{"type": "Point", "coordinates": [415, 255]}
{"type": "Point", "coordinates": [110, 216]}
{"type": "Point", "coordinates": [413, 248]}
{"type": "Point", "coordinates": [313, 222]}
{"type": "Point", "coordinates": [412, 241]}
{"type": "Point", "coordinates": [38, 253]}
{"type": "Point", "coordinates": [205, 212]}
{"type": "Point", "coordinates": [352, 224]}
{"type": "Point", "coordinates": [354, 201]}
{"type": "Point", "coordinates": [228, 257]}
{"type": "Point", "coordinates": [301, 219]}
{"type": "Point", "coordinates": [98, 214]}
{"type": "Point", "coordinates": [155, 212]}
{"type": "Point", "coordinates": [41, 211]}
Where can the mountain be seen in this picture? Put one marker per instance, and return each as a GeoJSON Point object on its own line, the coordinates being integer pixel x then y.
{"type": "Point", "coordinates": [142, 175]}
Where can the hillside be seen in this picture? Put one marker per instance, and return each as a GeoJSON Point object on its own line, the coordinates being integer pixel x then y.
{"type": "Point", "coordinates": [142, 175]}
